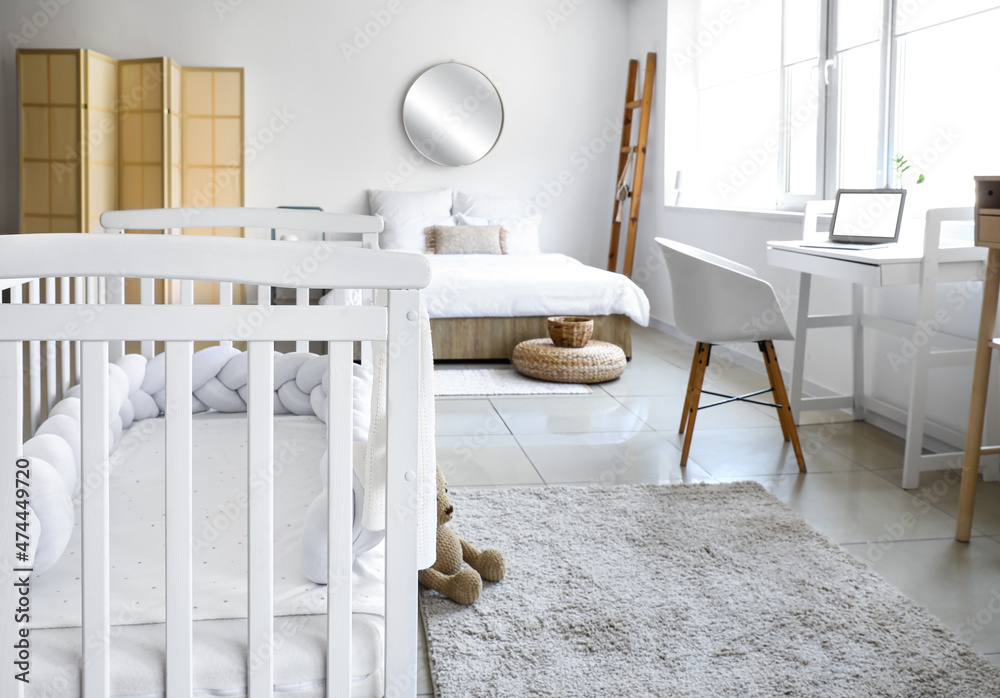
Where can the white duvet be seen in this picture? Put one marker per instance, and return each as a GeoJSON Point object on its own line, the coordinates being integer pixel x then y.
{"type": "Point", "coordinates": [528, 285]}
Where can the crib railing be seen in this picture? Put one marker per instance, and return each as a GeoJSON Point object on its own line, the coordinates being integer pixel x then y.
{"type": "Point", "coordinates": [99, 335]}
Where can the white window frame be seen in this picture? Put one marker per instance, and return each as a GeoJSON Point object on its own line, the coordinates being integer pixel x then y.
{"type": "Point", "coordinates": [888, 123]}
{"type": "Point", "coordinates": [787, 201]}
{"type": "Point", "coordinates": [828, 136]}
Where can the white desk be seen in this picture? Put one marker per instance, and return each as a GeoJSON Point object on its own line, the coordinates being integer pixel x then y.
{"type": "Point", "coordinates": [886, 266]}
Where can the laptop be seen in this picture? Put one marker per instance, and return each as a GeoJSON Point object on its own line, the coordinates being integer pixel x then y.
{"type": "Point", "coordinates": [864, 219]}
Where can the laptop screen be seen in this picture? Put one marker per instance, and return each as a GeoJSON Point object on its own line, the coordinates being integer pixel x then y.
{"type": "Point", "coordinates": [867, 215]}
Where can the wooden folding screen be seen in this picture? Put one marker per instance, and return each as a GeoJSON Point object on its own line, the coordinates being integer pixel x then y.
{"type": "Point", "coordinates": [212, 153]}
{"type": "Point", "coordinates": [99, 134]}
{"type": "Point", "coordinates": [68, 159]}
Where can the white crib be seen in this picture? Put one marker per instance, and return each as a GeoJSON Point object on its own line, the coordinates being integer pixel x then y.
{"type": "Point", "coordinates": [77, 338]}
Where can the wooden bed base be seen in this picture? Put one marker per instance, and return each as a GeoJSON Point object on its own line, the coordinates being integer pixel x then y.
{"type": "Point", "coordinates": [495, 337]}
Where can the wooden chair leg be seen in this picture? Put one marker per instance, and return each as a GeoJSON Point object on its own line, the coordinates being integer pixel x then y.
{"type": "Point", "coordinates": [781, 398]}
{"type": "Point", "coordinates": [702, 355]}
{"type": "Point", "coordinates": [769, 368]}
{"type": "Point", "coordinates": [690, 388]}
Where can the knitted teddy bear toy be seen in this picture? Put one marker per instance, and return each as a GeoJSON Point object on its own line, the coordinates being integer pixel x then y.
{"type": "Point", "coordinates": [447, 576]}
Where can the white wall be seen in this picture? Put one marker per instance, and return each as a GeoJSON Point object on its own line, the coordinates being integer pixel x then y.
{"type": "Point", "coordinates": [558, 65]}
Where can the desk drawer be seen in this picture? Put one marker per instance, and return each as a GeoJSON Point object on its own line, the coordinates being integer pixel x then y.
{"type": "Point", "coordinates": [988, 230]}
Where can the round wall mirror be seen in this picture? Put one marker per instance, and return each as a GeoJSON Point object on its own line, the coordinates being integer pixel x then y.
{"type": "Point", "coordinates": [452, 114]}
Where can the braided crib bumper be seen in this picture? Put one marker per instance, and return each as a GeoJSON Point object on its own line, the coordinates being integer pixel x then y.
{"type": "Point", "coordinates": [137, 391]}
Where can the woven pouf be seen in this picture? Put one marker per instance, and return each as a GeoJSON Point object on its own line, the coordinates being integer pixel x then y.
{"type": "Point", "coordinates": [594, 363]}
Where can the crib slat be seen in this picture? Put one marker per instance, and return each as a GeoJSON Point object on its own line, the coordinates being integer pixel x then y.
{"type": "Point", "coordinates": [340, 505]}
{"type": "Point", "coordinates": [301, 298]}
{"type": "Point", "coordinates": [115, 286]}
{"type": "Point", "coordinates": [402, 379]}
{"type": "Point", "coordinates": [95, 522]}
{"type": "Point", "coordinates": [260, 524]}
{"type": "Point", "coordinates": [226, 298]}
{"type": "Point", "coordinates": [51, 383]}
{"type": "Point", "coordinates": [11, 417]}
{"type": "Point", "coordinates": [79, 298]}
{"type": "Point", "coordinates": [16, 298]}
{"type": "Point", "coordinates": [180, 597]}
{"type": "Point", "coordinates": [66, 380]}
{"type": "Point", "coordinates": [34, 367]}
{"type": "Point", "coordinates": [147, 296]}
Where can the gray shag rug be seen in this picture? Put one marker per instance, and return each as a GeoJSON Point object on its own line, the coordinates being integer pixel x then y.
{"type": "Point", "coordinates": [685, 590]}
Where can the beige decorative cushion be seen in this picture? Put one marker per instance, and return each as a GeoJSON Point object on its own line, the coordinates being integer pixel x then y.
{"type": "Point", "coordinates": [466, 239]}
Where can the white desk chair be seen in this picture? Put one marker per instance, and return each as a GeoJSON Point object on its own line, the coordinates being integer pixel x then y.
{"type": "Point", "coordinates": [717, 301]}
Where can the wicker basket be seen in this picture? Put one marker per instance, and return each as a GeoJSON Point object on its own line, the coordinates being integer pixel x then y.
{"type": "Point", "coordinates": [570, 331]}
{"type": "Point", "coordinates": [595, 363]}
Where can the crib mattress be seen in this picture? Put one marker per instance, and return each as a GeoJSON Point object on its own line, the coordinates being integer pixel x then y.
{"type": "Point", "coordinates": [220, 561]}
{"type": "Point", "coordinates": [138, 659]}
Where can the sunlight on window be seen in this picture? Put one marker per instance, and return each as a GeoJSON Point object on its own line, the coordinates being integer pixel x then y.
{"type": "Point", "coordinates": [801, 31]}
{"type": "Point", "coordinates": [858, 156]}
{"type": "Point", "coordinates": [912, 15]}
{"type": "Point", "coordinates": [800, 126]}
{"type": "Point", "coordinates": [738, 144]}
{"type": "Point", "coordinates": [947, 112]}
{"type": "Point", "coordinates": [738, 95]}
{"type": "Point", "coordinates": [762, 128]}
{"type": "Point", "coordinates": [858, 22]}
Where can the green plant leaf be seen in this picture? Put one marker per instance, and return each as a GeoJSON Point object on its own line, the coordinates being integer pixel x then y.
{"type": "Point", "coordinates": [920, 179]}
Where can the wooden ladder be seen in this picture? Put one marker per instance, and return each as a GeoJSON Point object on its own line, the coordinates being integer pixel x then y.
{"type": "Point", "coordinates": [635, 193]}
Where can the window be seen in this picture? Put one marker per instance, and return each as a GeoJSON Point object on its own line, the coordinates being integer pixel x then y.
{"type": "Point", "coordinates": [734, 146]}
{"type": "Point", "coordinates": [946, 111]}
{"type": "Point", "coordinates": [794, 99]}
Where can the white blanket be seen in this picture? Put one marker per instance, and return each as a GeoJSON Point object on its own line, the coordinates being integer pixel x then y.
{"type": "Point", "coordinates": [528, 285]}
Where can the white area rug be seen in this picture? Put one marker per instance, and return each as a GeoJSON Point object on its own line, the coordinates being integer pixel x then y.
{"type": "Point", "coordinates": [686, 590]}
{"type": "Point", "coordinates": [499, 381]}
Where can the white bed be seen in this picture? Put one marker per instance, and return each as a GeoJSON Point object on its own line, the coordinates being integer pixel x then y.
{"type": "Point", "coordinates": [150, 502]}
{"type": "Point", "coordinates": [482, 305]}
{"type": "Point", "coordinates": [525, 285]}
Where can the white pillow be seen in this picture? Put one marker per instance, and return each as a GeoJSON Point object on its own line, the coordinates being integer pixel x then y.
{"type": "Point", "coordinates": [461, 219]}
{"type": "Point", "coordinates": [407, 213]}
{"type": "Point", "coordinates": [512, 214]}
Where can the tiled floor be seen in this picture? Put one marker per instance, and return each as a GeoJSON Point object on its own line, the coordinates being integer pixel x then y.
{"type": "Point", "coordinates": [626, 431]}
